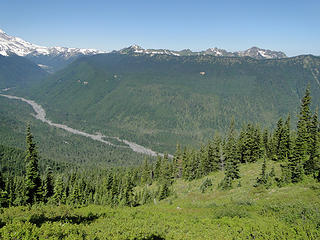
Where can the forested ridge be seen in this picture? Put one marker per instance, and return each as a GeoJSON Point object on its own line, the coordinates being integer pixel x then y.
{"type": "Point", "coordinates": [256, 161]}
{"type": "Point", "coordinates": [161, 100]}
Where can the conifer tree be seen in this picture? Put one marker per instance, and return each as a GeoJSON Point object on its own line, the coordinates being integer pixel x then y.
{"type": "Point", "coordinates": [231, 159]}
{"type": "Point", "coordinates": [146, 173]}
{"type": "Point", "coordinates": [128, 196]}
{"type": "Point", "coordinates": [164, 191]}
{"type": "Point", "coordinates": [109, 181]}
{"type": "Point", "coordinates": [205, 162]}
{"type": "Point", "coordinates": [186, 164]}
{"type": "Point", "coordinates": [48, 185]}
{"type": "Point", "coordinates": [286, 143]}
{"type": "Point", "coordinates": [306, 117]}
{"type": "Point", "coordinates": [214, 153]}
{"type": "Point", "coordinates": [32, 179]}
{"type": "Point", "coordinates": [263, 179]}
{"type": "Point", "coordinates": [58, 190]}
{"type": "Point", "coordinates": [303, 141]}
{"type": "Point", "coordinates": [157, 169]}
{"type": "Point", "coordinates": [3, 193]}
{"type": "Point", "coordinates": [278, 147]}
{"type": "Point", "coordinates": [312, 165]}
{"type": "Point", "coordinates": [165, 169]}
{"type": "Point", "coordinates": [177, 162]}
{"type": "Point", "coordinates": [231, 155]}
{"type": "Point", "coordinates": [266, 144]}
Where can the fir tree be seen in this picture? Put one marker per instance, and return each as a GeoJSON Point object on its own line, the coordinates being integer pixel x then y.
{"type": "Point", "coordinates": [48, 185]}
{"type": "Point", "coordinates": [32, 179]}
{"type": "Point", "coordinates": [286, 142]}
{"type": "Point", "coordinates": [205, 162]}
{"type": "Point", "coordinates": [177, 162]}
{"type": "Point", "coordinates": [3, 193]}
{"type": "Point", "coordinates": [303, 141]}
{"type": "Point", "coordinates": [157, 169]}
{"type": "Point", "coordinates": [278, 143]}
{"type": "Point", "coordinates": [165, 169]}
{"type": "Point", "coordinates": [231, 160]}
{"type": "Point", "coordinates": [146, 173]}
{"type": "Point", "coordinates": [263, 179]}
{"type": "Point", "coordinates": [231, 155]}
{"type": "Point", "coordinates": [306, 117]}
{"type": "Point", "coordinates": [58, 190]}
{"type": "Point", "coordinates": [312, 164]}
{"type": "Point", "coordinates": [128, 196]}
{"type": "Point", "coordinates": [266, 146]}
{"type": "Point", "coordinates": [164, 191]}
{"type": "Point", "coordinates": [214, 153]}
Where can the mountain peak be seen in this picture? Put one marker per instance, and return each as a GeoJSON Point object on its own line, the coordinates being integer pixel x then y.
{"type": "Point", "coordinates": [259, 53]}
{"type": "Point", "coordinates": [136, 47]}
{"type": "Point", "coordinates": [253, 52]}
{"type": "Point", "coordinates": [15, 45]}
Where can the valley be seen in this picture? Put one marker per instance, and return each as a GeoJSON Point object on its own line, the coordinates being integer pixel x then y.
{"type": "Point", "coordinates": [41, 115]}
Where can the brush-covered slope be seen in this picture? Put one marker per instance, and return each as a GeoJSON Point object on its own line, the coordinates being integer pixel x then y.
{"type": "Point", "coordinates": [244, 212]}
{"type": "Point", "coordinates": [17, 71]}
{"type": "Point", "coordinates": [161, 100]}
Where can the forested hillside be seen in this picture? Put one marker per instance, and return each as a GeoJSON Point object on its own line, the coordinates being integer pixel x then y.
{"type": "Point", "coordinates": [255, 184]}
{"type": "Point", "coordinates": [161, 100]}
{"type": "Point", "coordinates": [18, 72]}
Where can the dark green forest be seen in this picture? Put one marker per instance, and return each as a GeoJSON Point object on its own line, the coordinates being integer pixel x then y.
{"type": "Point", "coordinates": [161, 100]}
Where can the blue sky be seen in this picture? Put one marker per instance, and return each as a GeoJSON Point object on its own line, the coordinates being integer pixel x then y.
{"type": "Point", "coordinates": [292, 26]}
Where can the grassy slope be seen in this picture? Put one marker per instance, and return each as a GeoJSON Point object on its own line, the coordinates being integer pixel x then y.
{"type": "Point", "coordinates": [245, 212]}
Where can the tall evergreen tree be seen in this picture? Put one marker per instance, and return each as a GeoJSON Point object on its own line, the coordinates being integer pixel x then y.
{"type": "Point", "coordinates": [58, 190]}
{"type": "Point", "coordinates": [214, 153]}
{"type": "Point", "coordinates": [278, 143]}
{"type": "Point", "coordinates": [205, 162]}
{"type": "Point", "coordinates": [231, 159]}
{"type": "Point", "coordinates": [177, 162]}
{"type": "Point", "coordinates": [306, 117]}
{"type": "Point", "coordinates": [286, 142]}
{"type": "Point", "coordinates": [146, 173]}
{"type": "Point", "coordinates": [3, 193]}
{"type": "Point", "coordinates": [312, 165]}
{"type": "Point", "coordinates": [303, 141]}
{"type": "Point", "coordinates": [32, 179]}
{"type": "Point", "coordinates": [266, 143]}
{"type": "Point", "coordinates": [48, 185]}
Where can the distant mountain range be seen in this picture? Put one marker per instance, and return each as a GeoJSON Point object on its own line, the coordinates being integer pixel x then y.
{"type": "Point", "coordinates": [253, 52]}
{"type": "Point", "coordinates": [52, 59]}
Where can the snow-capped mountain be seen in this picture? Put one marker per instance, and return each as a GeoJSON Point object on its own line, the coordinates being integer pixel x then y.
{"type": "Point", "coordinates": [18, 46]}
{"type": "Point", "coordinates": [135, 49]}
{"type": "Point", "coordinates": [258, 53]}
{"type": "Point", "coordinates": [253, 52]}
{"type": "Point", "coordinates": [48, 58]}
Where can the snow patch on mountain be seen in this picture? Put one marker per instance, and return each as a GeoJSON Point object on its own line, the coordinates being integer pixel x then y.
{"type": "Point", "coordinates": [253, 52]}
{"type": "Point", "coordinates": [14, 45]}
